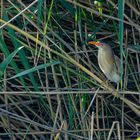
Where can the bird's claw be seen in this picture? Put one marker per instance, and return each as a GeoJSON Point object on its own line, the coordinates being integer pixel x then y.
{"type": "Point", "coordinates": [116, 94]}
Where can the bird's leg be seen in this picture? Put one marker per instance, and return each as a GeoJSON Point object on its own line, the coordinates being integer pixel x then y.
{"type": "Point", "coordinates": [106, 82]}
{"type": "Point", "coordinates": [121, 84]}
{"type": "Point", "coordinates": [116, 92]}
{"type": "Point", "coordinates": [118, 88]}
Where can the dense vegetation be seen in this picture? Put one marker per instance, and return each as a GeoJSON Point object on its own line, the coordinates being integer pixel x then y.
{"type": "Point", "coordinates": [51, 84]}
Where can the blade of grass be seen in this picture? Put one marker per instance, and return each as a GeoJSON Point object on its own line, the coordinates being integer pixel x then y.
{"type": "Point", "coordinates": [120, 15]}
{"type": "Point", "coordinates": [9, 58]}
{"type": "Point", "coordinates": [49, 16]}
{"type": "Point", "coordinates": [6, 52]}
{"type": "Point", "coordinates": [25, 72]}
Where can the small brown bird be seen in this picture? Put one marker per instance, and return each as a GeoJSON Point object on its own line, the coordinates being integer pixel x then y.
{"type": "Point", "coordinates": [108, 62]}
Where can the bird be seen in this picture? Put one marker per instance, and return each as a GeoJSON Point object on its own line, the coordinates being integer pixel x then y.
{"type": "Point", "coordinates": [108, 62]}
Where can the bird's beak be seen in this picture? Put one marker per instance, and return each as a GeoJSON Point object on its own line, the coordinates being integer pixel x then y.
{"type": "Point", "coordinates": [94, 43]}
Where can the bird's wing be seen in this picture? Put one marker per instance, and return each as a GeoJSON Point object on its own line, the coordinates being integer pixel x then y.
{"type": "Point", "coordinates": [118, 64]}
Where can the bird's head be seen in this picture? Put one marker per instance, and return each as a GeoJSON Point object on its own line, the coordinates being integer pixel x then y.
{"type": "Point", "coordinates": [98, 44]}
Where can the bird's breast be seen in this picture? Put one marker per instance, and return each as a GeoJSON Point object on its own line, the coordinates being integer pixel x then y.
{"type": "Point", "coordinates": [105, 60]}
{"type": "Point", "coordinates": [106, 63]}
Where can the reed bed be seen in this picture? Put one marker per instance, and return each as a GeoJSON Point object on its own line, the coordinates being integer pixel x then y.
{"type": "Point", "coordinates": [51, 86]}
